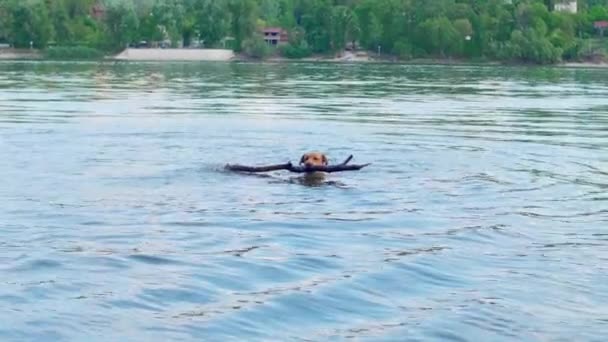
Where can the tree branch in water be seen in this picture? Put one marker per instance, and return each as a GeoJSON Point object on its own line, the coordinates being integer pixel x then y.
{"type": "Point", "coordinates": [298, 169]}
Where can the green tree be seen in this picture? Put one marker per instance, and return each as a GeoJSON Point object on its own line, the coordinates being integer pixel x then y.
{"type": "Point", "coordinates": [439, 36]}
{"type": "Point", "coordinates": [243, 17]}
{"type": "Point", "coordinates": [317, 23]}
{"type": "Point", "coordinates": [597, 13]}
{"type": "Point", "coordinates": [212, 21]}
{"type": "Point", "coordinates": [61, 20]}
{"type": "Point", "coordinates": [531, 46]}
{"type": "Point", "coordinates": [30, 23]}
{"type": "Point", "coordinates": [74, 8]}
{"type": "Point", "coordinates": [370, 27]}
{"type": "Point", "coordinates": [121, 23]}
{"type": "Point", "coordinates": [286, 14]}
{"type": "Point", "coordinates": [169, 15]}
{"type": "Point", "coordinates": [5, 20]}
{"type": "Point", "coordinates": [391, 17]}
{"type": "Point", "coordinates": [344, 27]}
{"type": "Point", "coordinates": [257, 47]}
{"type": "Point", "coordinates": [270, 11]}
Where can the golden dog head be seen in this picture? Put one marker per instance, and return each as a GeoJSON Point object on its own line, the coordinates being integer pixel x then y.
{"type": "Point", "coordinates": [313, 159]}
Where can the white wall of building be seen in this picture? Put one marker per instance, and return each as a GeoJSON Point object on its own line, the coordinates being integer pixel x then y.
{"type": "Point", "coordinates": [566, 6]}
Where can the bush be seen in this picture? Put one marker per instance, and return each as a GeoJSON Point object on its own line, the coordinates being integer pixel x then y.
{"type": "Point", "coordinates": [403, 50]}
{"type": "Point", "coordinates": [296, 51]}
{"type": "Point", "coordinates": [73, 52]}
{"type": "Point", "coordinates": [530, 46]}
{"type": "Point", "coordinates": [573, 50]}
{"type": "Point", "coordinates": [257, 47]}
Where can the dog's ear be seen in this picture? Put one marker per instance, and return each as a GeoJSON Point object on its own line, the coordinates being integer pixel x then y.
{"type": "Point", "coordinates": [324, 160]}
{"type": "Point", "coordinates": [303, 159]}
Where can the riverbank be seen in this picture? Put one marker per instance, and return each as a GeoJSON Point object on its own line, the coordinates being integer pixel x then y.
{"type": "Point", "coordinates": [225, 55]}
{"type": "Point", "coordinates": [344, 57]}
{"type": "Point", "coordinates": [364, 57]}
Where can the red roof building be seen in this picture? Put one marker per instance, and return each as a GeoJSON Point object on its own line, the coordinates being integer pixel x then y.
{"type": "Point", "coordinates": [275, 35]}
{"type": "Point", "coordinates": [601, 26]}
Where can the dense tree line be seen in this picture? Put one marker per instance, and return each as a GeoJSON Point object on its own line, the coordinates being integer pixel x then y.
{"type": "Point", "coordinates": [522, 30]}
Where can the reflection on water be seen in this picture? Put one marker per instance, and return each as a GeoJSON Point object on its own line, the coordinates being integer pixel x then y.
{"type": "Point", "coordinates": [482, 217]}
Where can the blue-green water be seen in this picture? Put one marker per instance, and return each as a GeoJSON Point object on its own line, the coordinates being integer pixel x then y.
{"type": "Point", "coordinates": [484, 216]}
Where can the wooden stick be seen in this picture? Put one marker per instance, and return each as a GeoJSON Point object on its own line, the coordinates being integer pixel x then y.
{"type": "Point", "coordinates": [347, 160]}
{"type": "Point", "coordinates": [299, 169]}
{"type": "Point", "coordinates": [243, 168]}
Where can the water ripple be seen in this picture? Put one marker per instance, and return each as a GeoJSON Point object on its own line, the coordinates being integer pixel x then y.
{"type": "Point", "coordinates": [482, 217]}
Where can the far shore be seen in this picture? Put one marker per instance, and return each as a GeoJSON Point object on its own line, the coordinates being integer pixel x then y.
{"type": "Point", "coordinates": [224, 55]}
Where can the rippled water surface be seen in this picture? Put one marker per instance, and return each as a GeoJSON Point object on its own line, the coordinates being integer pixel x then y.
{"type": "Point", "coordinates": [484, 216]}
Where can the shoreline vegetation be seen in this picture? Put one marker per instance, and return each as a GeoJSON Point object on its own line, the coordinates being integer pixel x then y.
{"type": "Point", "coordinates": [225, 55]}
{"type": "Point", "coordinates": [521, 32]}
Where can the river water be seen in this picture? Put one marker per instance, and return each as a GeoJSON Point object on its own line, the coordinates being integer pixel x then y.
{"type": "Point", "coordinates": [484, 216]}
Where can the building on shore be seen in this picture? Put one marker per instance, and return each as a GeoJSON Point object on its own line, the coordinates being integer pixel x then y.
{"type": "Point", "coordinates": [601, 26]}
{"type": "Point", "coordinates": [275, 36]}
{"type": "Point", "coordinates": [569, 6]}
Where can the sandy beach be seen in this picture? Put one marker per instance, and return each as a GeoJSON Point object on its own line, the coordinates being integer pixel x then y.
{"type": "Point", "coordinates": [175, 55]}
{"type": "Point", "coordinates": [9, 54]}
